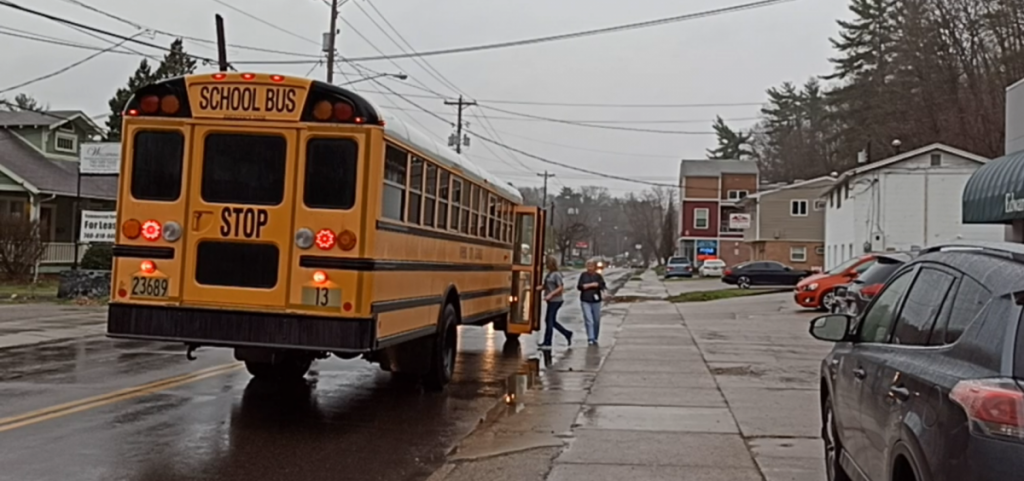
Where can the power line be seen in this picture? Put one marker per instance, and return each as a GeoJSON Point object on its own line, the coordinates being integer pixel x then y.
{"type": "Point", "coordinates": [529, 155]}
{"type": "Point", "coordinates": [596, 126]}
{"type": "Point", "coordinates": [595, 105]}
{"type": "Point", "coordinates": [139, 26]}
{"type": "Point", "coordinates": [614, 122]}
{"type": "Point", "coordinates": [269, 24]}
{"type": "Point", "coordinates": [64, 21]}
{"type": "Point", "coordinates": [63, 69]}
{"type": "Point", "coordinates": [580, 34]}
{"type": "Point", "coordinates": [54, 41]}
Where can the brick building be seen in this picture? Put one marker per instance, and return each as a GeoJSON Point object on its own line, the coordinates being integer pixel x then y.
{"type": "Point", "coordinates": [710, 191]}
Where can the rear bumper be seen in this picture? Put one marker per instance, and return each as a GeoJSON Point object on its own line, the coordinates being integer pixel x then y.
{"type": "Point", "coordinates": [226, 328]}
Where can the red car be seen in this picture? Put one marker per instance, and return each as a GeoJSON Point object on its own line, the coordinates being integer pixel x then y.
{"type": "Point", "coordinates": [818, 291]}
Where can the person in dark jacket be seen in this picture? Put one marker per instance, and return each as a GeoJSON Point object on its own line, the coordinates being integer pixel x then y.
{"type": "Point", "coordinates": [553, 289]}
{"type": "Point", "coordinates": [592, 287]}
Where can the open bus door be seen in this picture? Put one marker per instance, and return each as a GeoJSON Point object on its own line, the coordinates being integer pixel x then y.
{"type": "Point", "coordinates": [527, 271]}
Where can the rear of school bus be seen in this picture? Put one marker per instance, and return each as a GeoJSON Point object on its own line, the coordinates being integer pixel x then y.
{"type": "Point", "coordinates": [227, 180]}
{"type": "Point", "coordinates": [248, 220]}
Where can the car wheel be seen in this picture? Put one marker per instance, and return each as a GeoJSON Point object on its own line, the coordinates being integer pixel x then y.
{"type": "Point", "coordinates": [743, 282]}
{"type": "Point", "coordinates": [827, 303]}
{"type": "Point", "coordinates": [833, 448]}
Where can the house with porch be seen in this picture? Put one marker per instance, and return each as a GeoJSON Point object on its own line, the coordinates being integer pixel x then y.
{"type": "Point", "coordinates": [39, 154]}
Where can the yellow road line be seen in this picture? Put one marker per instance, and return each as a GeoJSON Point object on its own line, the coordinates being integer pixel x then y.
{"type": "Point", "coordinates": [52, 412]}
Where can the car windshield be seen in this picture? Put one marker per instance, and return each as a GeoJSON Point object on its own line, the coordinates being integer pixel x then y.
{"type": "Point", "coordinates": [880, 272]}
{"type": "Point", "coordinates": [841, 268]}
{"type": "Point", "coordinates": [678, 260]}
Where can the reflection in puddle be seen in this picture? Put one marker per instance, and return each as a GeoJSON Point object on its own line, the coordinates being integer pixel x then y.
{"type": "Point", "coordinates": [516, 385]}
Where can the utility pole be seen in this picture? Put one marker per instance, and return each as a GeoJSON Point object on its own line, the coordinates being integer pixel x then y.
{"type": "Point", "coordinates": [458, 140]}
{"type": "Point", "coordinates": [330, 41]}
{"type": "Point", "coordinates": [545, 175]}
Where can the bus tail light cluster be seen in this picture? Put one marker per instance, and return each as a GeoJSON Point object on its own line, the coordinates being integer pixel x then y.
{"type": "Point", "coordinates": [339, 111]}
{"type": "Point", "coordinates": [168, 104]}
{"type": "Point", "coordinates": [151, 230]}
{"type": "Point", "coordinates": [325, 239]}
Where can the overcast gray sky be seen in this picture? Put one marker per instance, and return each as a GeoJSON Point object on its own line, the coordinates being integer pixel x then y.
{"type": "Point", "coordinates": [731, 58]}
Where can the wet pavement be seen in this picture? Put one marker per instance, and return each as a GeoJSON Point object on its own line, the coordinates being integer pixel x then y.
{"type": "Point", "coordinates": [98, 409]}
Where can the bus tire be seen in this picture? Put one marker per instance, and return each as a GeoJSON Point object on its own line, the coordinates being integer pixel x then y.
{"type": "Point", "coordinates": [289, 368]}
{"type": "Point", "coordinates": [443, 354]}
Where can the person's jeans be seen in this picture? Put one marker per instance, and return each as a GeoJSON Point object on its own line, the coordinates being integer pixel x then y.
{"type": "Point", "coordinates": [592, 319]}
{"type": "Point", "coordinates": [551, 320]}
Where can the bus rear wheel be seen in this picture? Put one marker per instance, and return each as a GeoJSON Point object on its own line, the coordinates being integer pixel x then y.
{"type": "Point", "coordinates": [441, 367]}
{"type": "Point", "coordinates": [285, 368]}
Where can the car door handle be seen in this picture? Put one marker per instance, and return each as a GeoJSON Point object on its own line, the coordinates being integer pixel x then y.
{"type": "Point", "coordinates": [860, 373]}
{"type": "Point", "coordinates": [899, 393]}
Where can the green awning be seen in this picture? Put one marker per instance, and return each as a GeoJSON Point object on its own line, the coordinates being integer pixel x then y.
{"type": "Point", "coordinates": [995, 193]}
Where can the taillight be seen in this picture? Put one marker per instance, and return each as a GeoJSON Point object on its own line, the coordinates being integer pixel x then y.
{"type": "Point", "coordinates": [339, 111]}
{"type": "Point", "coordinates": [147, 267]}
{"type": "Point", "coordinates": [347, 240]}
{"type": "Point", "coordinates": [319, 277]}
{"type": "Point", "coordinates": [994, 407]}
{"type": "Point", "coordinates": [151, 230]}
{"type": "Point", "coordinates": [149, 104]}
{"type": "Point", "coordinates": [728, 272]}
{"type": "Point", "coordinates": [325, 239]}
{"type": "Point", "coordinates": [131, 229]}
{"type": "Point", "coordinates": [867, 292]}
{"type": "Point", "coordinates": [169, 105]}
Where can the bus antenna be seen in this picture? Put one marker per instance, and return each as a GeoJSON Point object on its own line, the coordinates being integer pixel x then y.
{"type": "Point", "coordinates": [222, 46]}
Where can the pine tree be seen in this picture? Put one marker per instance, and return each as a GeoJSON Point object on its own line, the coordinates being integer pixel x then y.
{"type": "Point", "coordinates": [731, 144]}
{"type": "Point", "coordinates": [174, 64]}
{"type": "Point", "coordinates": [23, 101]}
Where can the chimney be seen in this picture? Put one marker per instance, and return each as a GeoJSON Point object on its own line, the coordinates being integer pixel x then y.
{"type": "Point", "coordinates": [862, 157]}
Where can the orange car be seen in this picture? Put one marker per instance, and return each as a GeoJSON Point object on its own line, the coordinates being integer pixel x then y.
{"type": "Point", "coordinates": [816, 292]}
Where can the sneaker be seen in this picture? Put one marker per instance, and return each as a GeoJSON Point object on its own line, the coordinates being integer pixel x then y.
{"type": "Point", "coordinates": [591, 343]}
{"type": "Point", "coordinates": [568, 339]}
{"type": "Point", "coordinates": [544, 347]}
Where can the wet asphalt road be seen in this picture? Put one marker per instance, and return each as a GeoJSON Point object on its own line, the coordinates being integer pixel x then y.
{"type": "Point", "coordinates": [211, 421]}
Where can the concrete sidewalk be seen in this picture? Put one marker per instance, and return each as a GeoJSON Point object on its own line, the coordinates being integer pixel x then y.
{"type": "Point", "coordinates": [713, 391]}
{"type": "Point", "coordinates": [27, 324]}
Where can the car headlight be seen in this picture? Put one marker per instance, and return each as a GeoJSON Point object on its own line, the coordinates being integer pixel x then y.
{"type": "Point", "coordinates": [813, 287]}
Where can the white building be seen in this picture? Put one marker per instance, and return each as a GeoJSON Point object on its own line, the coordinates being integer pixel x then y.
{"type": "Point", "coordinates": [902, 203]}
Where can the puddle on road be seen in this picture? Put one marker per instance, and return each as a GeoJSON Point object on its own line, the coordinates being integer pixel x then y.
{"type": "Point", "coordinates": [527, 378]}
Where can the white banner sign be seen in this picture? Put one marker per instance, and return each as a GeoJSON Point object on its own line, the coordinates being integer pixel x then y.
{"type": "Point", "coordinates": [100, 158]}
{"type": "Point", "coordinates": [98, 226]}
{"type": "Point", "coordinates": [739, 221]}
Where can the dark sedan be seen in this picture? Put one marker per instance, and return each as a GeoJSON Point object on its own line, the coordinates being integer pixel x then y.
{"type": "Point", "coordinates": [763, 273]}
{"type": "Point", "coordinates": [926, 383]}
{"type": "Point", "coordinates": [856, 295]}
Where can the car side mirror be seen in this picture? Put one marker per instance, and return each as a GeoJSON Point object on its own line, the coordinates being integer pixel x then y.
{"type": "Point", "coordinates": [831, 327]}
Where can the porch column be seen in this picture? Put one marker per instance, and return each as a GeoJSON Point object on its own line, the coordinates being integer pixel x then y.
{"type": "Point", "coordinates": [35, 207]}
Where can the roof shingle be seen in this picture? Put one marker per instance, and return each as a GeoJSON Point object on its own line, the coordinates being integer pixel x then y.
{"type": "Point", "coordinates": [51, 176]}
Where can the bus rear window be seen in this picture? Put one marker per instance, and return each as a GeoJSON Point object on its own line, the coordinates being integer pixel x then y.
{"type": "Point", "coordinates": [156, 165]}
{"type": "Point", "coordinates": [330, 174]}
{"type": "Point", "coordinates": [244, 169]}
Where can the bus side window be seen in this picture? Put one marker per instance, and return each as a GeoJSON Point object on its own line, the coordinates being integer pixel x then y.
{"type": "Point", "coordinates": [444, 191]}
{"type": "Point", "coordinates": [430, 193]}
{"type": "Point", "coordinates": [492, 217]}
{"type": "Point", "coordinates": [415, 190]}
{"type": "Point", "coordinates": [395, 164]}
{"type": "Point", "coordinates": [456, 203]}
{"type": "Point", "coordinates": [482, 210]}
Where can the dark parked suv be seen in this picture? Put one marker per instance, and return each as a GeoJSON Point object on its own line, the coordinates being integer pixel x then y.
{"type": "Point", "coordinates": [927, 384]}
{"type": "Point", "coordinates": [854, 297]}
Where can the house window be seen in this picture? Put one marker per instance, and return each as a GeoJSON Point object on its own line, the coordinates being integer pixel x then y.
{"type": "Point", "coordinates": [819, 204]}
{"type": "Point", "coordinates": [66, 143]}
{"type": "Point", "coordinates": [700, 218]}
{"type": "Point", "coordinates": [798, 254]}
{"type": "Point", "coordinates": [820, 250]}
{"type": "Point", "coordinates": [936, 160]}
{"type": "Point", "coordinates": [737, 194]}
{"type": "Point", "coordinates": [798, 208]}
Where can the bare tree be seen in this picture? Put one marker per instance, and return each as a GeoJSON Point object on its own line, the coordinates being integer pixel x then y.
{"type": "Point", "coordinates": [20, 247]}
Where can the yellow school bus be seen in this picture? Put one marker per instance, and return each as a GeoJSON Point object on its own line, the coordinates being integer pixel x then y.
{"type": "Point", "coordinates": [290, 219]}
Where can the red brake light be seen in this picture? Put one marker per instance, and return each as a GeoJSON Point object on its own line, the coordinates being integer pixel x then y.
{"type": "Point", "coordinates": [277, 78]}
{"type": "Point", "coordinates": [325, 239]}
{"type": "Point", "coordinates": [147, 267]}
{"type": "Point", "coordinates": [319, 277]}
{"type": "Point", "coordinates": [219, 76]}
{"type": "Point", "coordinates": [133, 113]}
{"type": "Point", "coordinates": [149, 104]}
{"type": "Point", "coordinates": [359, 120]}
{"type": "Point", "coordinates": [870, 291]}
{"type": "Point", "coordinates": [728, 272]}
{"type": "Point", "coordinates": [169, 104]}
{"type": "Point", "coordinates": [994, 407]}
{"type": "Point", "coordinates": [248, 76]}
{"type": "Point", "coordinates": [151, 230]}
{"type": "Point", "coordinates": [343, 111]}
